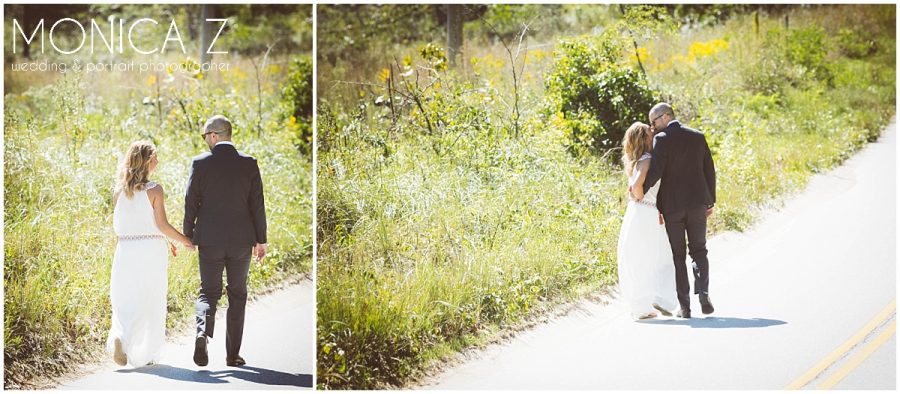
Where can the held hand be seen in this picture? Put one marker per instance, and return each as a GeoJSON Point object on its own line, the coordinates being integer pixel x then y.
{"type": "Point", "coordinates": [709, 211]}
{"type": "Point", "coordinates": [661, 221]}
{"type": "Point", "coordinates": [260, 251]}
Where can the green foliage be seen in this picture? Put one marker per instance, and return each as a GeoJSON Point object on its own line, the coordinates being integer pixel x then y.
{"type": "Point", "coordinates": [597, 95]}
{"type": "Point", "coordinates": [767, 73]}
{"type": "Point", "coordinates": [352, 28]}
{"type": "Point", "coordinates": [257, 28]}
{"type": "Point", "coordinates": [856, 43]}
{"type": "Point", "coordinates": [698, 15]}
{"type": "Point", "coordinates": [644, 22]}
{"type": "Point", "coordinates": [795, 56]}
{"type": "Point", "coordinates": [297, 99]}
{"type": "Point", "coordinates": [507, 20]}
{"type": "Point", "coordinates": [434, 55]}
{"type": "Point", "coordinates": [807, 48]}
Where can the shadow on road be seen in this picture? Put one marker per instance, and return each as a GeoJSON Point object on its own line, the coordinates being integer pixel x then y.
{"type": "Point", "coordinates": [716, 322]}
{"type": "Point", "coordinates": [247, 373]}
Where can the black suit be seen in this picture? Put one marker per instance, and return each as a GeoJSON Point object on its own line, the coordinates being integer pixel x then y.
{"type": "Point", "coordinates": [683, 164]}
{"type": "Point", "coordinates": [225, 216]}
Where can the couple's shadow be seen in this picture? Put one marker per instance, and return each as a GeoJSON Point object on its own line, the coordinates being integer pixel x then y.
{"type": "Point", "coordinates": [246, 373]}
{"type": "Point", "coordinates": [715, 322]}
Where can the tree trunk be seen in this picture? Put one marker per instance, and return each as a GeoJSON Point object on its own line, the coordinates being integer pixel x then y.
{"type": "Point", "coordinates": [454, 32]}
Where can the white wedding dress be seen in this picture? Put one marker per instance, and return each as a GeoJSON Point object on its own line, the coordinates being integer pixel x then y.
{"type": "Point", "coordinates": [139, 281]}
{"type": "Point", "coordinates": [646, 268]}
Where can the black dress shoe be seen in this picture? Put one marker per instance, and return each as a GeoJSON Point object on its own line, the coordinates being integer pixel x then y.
{"type": "Point", "coordinates": [683, 314]}
{"type": "Point", "coordinates": [706, 304]}
{"type": "Point", "coordinates": [201, 357]}
{"type": "Point", "coordinates": [235, 362]}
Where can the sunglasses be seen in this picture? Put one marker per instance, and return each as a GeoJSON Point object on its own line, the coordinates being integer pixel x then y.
{"type": "Point", "coordinates": [208, 133]}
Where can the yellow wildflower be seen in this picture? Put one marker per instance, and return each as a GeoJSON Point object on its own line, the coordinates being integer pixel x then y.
{"type": "Point", "coordinates": [384, 74]}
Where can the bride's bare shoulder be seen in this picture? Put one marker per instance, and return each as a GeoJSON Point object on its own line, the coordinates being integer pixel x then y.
{"type": "Point", "coordinates": [154, 189]}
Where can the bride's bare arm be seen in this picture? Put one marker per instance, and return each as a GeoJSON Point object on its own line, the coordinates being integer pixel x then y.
{"type": "Point", "coordinates": [637, 189]}
{"type": "Point", "coordinates": [157, 199]}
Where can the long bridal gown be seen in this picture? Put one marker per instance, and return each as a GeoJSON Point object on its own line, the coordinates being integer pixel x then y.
{"type": "Point", "coordinates": [646, 268]}
{"type": "Point", "coordinates": [139, 281]}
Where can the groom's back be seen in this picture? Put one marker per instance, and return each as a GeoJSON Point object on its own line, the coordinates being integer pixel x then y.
{"type": "Point", "coordinates": [225, 197]}
{"type": "Point", "coordinates": [689, 178]}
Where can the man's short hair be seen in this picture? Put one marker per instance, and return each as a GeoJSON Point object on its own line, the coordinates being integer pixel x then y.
{"type": "Point", "coordinates": [661, 108]}
{"type": "Point", "coordinates": [218, 124]}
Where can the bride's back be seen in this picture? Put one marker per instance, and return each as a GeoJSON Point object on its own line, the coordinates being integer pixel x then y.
{"type": "Point", "coordinates": [134, 215]}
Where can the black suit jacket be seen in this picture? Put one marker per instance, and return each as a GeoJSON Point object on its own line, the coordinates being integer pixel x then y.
{"type": "Point", "coordinates": [682, 159]}
{"type": "Point", "coordinates": [223, 204]}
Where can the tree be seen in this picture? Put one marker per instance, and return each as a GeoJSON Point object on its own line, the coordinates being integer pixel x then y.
{"type": "Point", "coordinates": [206, 33]}
{"type": "Point", "coordinates": [454, 31]}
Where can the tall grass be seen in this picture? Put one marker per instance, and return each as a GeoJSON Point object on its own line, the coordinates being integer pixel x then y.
{"type": "Point", "coordinates": [430, 241]}
{"type": "Point", "coordinates": [64, 139]}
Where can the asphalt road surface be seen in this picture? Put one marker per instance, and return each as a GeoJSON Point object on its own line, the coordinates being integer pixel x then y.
{"type": "Point", "coordinates": [279, 335]}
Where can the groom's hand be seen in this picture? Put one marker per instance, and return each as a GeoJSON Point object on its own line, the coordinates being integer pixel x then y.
{"type": "Point", "coordinates": [260, 251]}
{"type": "Point", "coordinates": [709, 211]}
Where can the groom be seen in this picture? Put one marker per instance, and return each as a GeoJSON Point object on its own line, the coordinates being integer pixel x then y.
{"type": "Point", "coordinates": [687, 194]}
{"type": "Point", "coordinates": [225, 216]}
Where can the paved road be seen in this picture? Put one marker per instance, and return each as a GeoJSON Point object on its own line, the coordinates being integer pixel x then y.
{"type": "Point", "coordinates": [804, 299]}
{"type": "Point", "coordinates": [278, 345]}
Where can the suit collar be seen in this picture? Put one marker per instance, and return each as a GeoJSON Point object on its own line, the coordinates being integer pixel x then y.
{"type": "Point", "coordinates": [222, 148]}
{"type": "Point", "coordinates": [673, 125]}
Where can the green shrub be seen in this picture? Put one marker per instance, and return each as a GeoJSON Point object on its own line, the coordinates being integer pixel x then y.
{"type": "Point", "coordinates": [807, 48]}
{"type": "Point", "coordinates": [297, 100]}
{"type": "Point", "coordinates": [856, 43]}
{"type": "Point", "coordinates": [789, 58]}
{"type": "Point", "coordinates": [596, 93]}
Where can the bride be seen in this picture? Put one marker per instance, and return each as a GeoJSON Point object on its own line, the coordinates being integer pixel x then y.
{"type": "Point", "coordinates": [139, 281]}
{"type": "Point", "coordinates": [646, 271]}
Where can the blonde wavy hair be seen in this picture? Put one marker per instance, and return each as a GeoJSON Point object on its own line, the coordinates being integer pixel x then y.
{"type": "Point", "coordinates": [634, 145]}
{"type": "Point", "coordinates": [135, 170]}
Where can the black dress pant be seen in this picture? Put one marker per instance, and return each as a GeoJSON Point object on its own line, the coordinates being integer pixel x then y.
{"type": "Point", "coordinates": [235, 261]}
{"type": "Point", "coordinates": [690, 221]}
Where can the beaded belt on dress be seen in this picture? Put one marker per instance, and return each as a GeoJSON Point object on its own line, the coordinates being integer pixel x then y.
{"type": "Point", "coordinates": [140, 237]}
{"type": "Point", "coordinates": [647, 203]}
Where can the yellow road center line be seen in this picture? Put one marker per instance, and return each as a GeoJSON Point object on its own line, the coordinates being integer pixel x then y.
{"type": "Point", "coordinates": [859, 357]}
{"type": "Point", "coordinates": [844, 348]}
